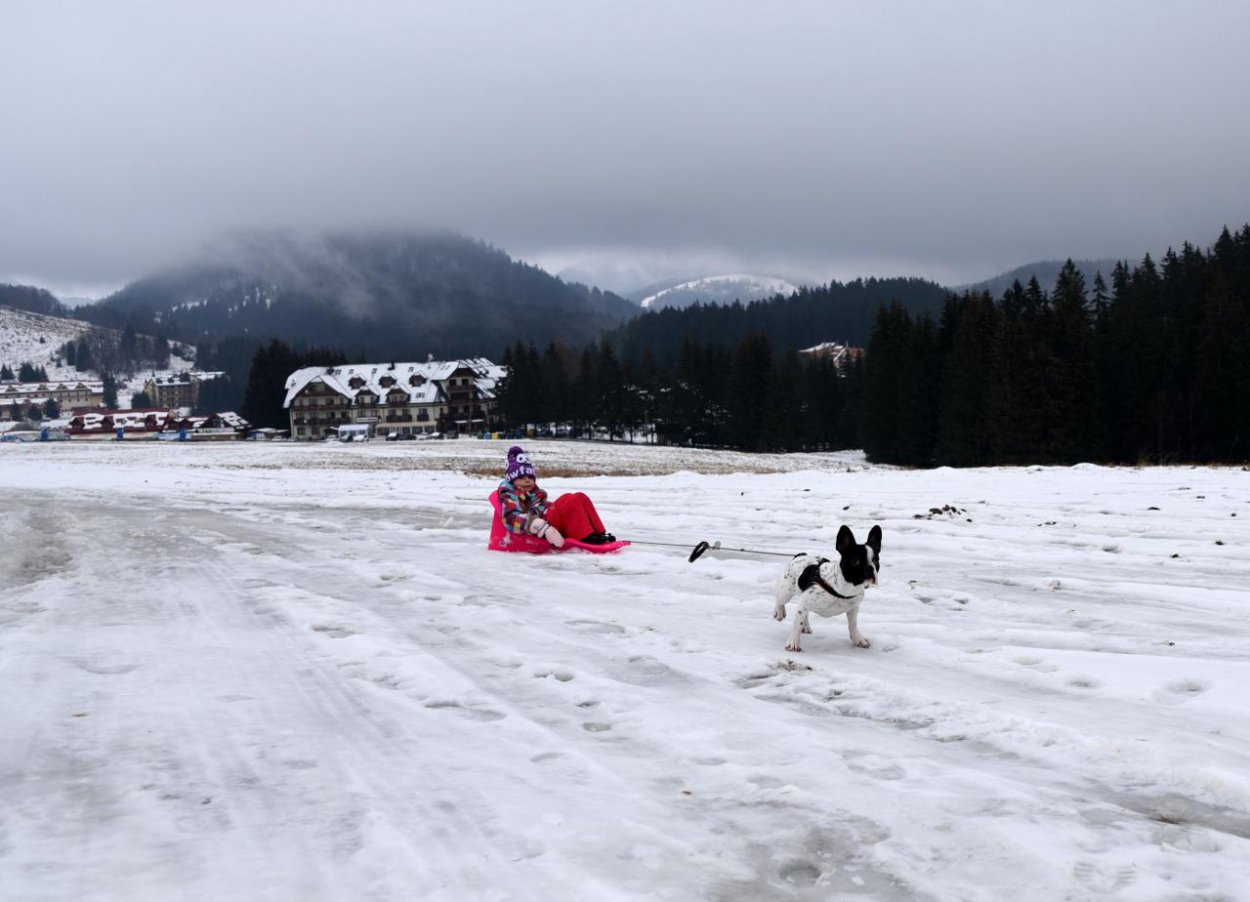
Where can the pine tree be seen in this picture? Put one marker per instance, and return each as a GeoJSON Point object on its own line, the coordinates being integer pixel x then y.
{"type": "Point", "coordinates": [1071, 405]}
{"type": "Point", "coordinates": [919, 389]}
{"type": "Point", "coordinates": [613, 412]}
{"type": "Point", "coordinates": [964, 428]}
{"type": "Point", "coordinates": [1221, 386]}
{"type": "Point", "coordinates": [266, 385]}
{"type": "Point", "coordinates": [787, 417]}
{"type": "Point", "coordinates": [556, 364]}
{"type": "Point", "coordinates": [749, 391]}
{"type": "Point", "coordinates": [885, 357]}
{"type": "Point", "coordinates": [110, 390]}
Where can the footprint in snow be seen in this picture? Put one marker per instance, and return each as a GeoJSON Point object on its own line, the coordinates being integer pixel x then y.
{"type": "Point", "coordinates": [1036, 664]}
{"type": "Point", "coordinates": [562, 675]}
{"type": "Point", "coordinates": [1082, 682]}
{"type": "Point", "coordinates": [597, 626]}
{"type": "Point", "coordinates": [333, 631]}
{"type": "Point", "coordinates": [481, 714]}
{"type": "Point", "coordinates": [1104, 878]}
{"type": "Point", "coordinates": [800, 872]}
{"type": "Point", "coordinates": [1179, 691]}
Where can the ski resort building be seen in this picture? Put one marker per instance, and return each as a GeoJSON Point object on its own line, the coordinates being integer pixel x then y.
{"type": "Point", "coordinates": [66, 394]}
{"type": "Point", "coordinates": [395, 400]}
{"type": "Point", "coordinates": [181, 390]}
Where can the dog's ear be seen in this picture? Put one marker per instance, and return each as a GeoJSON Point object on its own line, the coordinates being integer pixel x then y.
{"type": "Point", "coordinates": [845, 539]}
{"type": "Point", "coordinates": [874, 540]}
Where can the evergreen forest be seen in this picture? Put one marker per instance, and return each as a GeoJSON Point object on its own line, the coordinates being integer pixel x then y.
{"type": "Point", "coordinates": [1152, 367]}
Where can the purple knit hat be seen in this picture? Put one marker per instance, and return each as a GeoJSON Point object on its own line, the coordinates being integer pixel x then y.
{"type": "Point", "coordinates": [518, 464]}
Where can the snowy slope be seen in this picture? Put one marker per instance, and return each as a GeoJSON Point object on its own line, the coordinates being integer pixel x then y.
{"type": "Point", "coordinates": [275, 672]}
{"type": "Point", "coordinates": [719, 290]}
{"type": "Point", "coordinates": [34, 338]}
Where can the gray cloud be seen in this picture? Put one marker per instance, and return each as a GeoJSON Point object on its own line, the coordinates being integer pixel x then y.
{"type": "Point", "coordinates": [809, 139]}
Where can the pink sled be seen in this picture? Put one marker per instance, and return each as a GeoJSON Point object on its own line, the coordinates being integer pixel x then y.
{"type": "Point", "coordinates": [502, 540]}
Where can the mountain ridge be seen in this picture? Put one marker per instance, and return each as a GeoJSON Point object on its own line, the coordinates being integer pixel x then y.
{"type": "Point", "coordinates": [382, 293]}
{"type": "Point", "coordinates": [1045, 271]}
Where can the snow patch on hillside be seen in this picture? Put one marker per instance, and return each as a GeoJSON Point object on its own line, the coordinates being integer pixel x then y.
{"type": "Point", "coordinates": [36, 338]}
{"type": "Point", "coordinates": [723, 290]}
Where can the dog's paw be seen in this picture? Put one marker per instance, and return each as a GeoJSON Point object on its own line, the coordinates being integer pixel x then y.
{"type": "Point", "coordinates": [861, 641]}
{"type": "Point", "coordinates": [793, 646]}
{"type": "Point", "coordinates": [779, 614]}
{"type": "Point", "coordinates": [807, 630]}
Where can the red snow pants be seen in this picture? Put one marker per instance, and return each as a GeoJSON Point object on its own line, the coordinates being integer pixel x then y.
{"type": "Point", "coordinates": [574, 515]}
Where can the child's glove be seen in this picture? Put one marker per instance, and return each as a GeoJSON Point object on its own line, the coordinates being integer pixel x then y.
{"type": "Point", "coordinates": [541, 529]}
{"type": "Point", "coordinates": [544, 530]}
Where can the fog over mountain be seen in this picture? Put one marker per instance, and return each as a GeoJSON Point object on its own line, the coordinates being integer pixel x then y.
{"type": "Point", "coordinates": [391, 292]}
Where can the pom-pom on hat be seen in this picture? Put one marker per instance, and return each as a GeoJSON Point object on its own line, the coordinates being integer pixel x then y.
{"type": "Point", "coordinates": [518, 464]}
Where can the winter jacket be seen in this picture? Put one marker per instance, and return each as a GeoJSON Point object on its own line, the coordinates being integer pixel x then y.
{"type": "Point", "coordinates": [519, 508]}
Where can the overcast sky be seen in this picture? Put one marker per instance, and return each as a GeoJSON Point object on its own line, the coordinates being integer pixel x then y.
{"type": "Point", "coordinates": [811, 140]}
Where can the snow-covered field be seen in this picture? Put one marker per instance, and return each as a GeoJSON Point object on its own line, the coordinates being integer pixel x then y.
{"type": "Point", "coordinates": [280, 672]}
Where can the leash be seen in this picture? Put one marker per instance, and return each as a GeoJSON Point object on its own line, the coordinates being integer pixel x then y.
{"type": "Point", "coordinates": [704, 547]}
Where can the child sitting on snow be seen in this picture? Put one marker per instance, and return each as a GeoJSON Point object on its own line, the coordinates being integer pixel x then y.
{"type": "Point", "coordinates": [526, 510]}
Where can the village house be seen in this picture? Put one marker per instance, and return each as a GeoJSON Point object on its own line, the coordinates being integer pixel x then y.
{"type": "Point", "coordinates": [153, 423]}
{"type": "Point", "coordinates": [104, 425]}
{"type": "Point", "coordinates": [394, 399]}
{"type": "Point", "coordinates": [841, 355]}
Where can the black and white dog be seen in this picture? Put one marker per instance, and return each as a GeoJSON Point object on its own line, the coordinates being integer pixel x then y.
{"type": "Point", "coordinates": [829, 588]}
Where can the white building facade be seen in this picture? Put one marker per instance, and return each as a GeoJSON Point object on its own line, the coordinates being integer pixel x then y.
{"type": "Point", "coordinates": [394, 399]}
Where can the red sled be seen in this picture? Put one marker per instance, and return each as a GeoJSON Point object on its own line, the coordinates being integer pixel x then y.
{"type": "Point", "coordinates": [502, 540]}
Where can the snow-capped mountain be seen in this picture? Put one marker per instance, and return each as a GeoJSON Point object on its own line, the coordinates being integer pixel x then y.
{"type": "Point", "coordinates": [718, 290]}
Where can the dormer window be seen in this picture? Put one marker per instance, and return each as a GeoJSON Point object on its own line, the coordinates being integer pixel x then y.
{"type": "Point", "coordinates": [416, 380]}
{"type": "Point", "coordinates": [386, 381]}
{"type": "Point", "coordinates": [356, 382]}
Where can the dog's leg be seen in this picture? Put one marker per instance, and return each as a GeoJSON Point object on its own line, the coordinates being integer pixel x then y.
{"type": "Point", "coordinates": [782, 595]}
{"type": "Point", "coordinates": [807, 626]}
{"type": "Point", "coordinates": [852, 622]}
{"type": "Point", "coordinates": [796, 628]}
